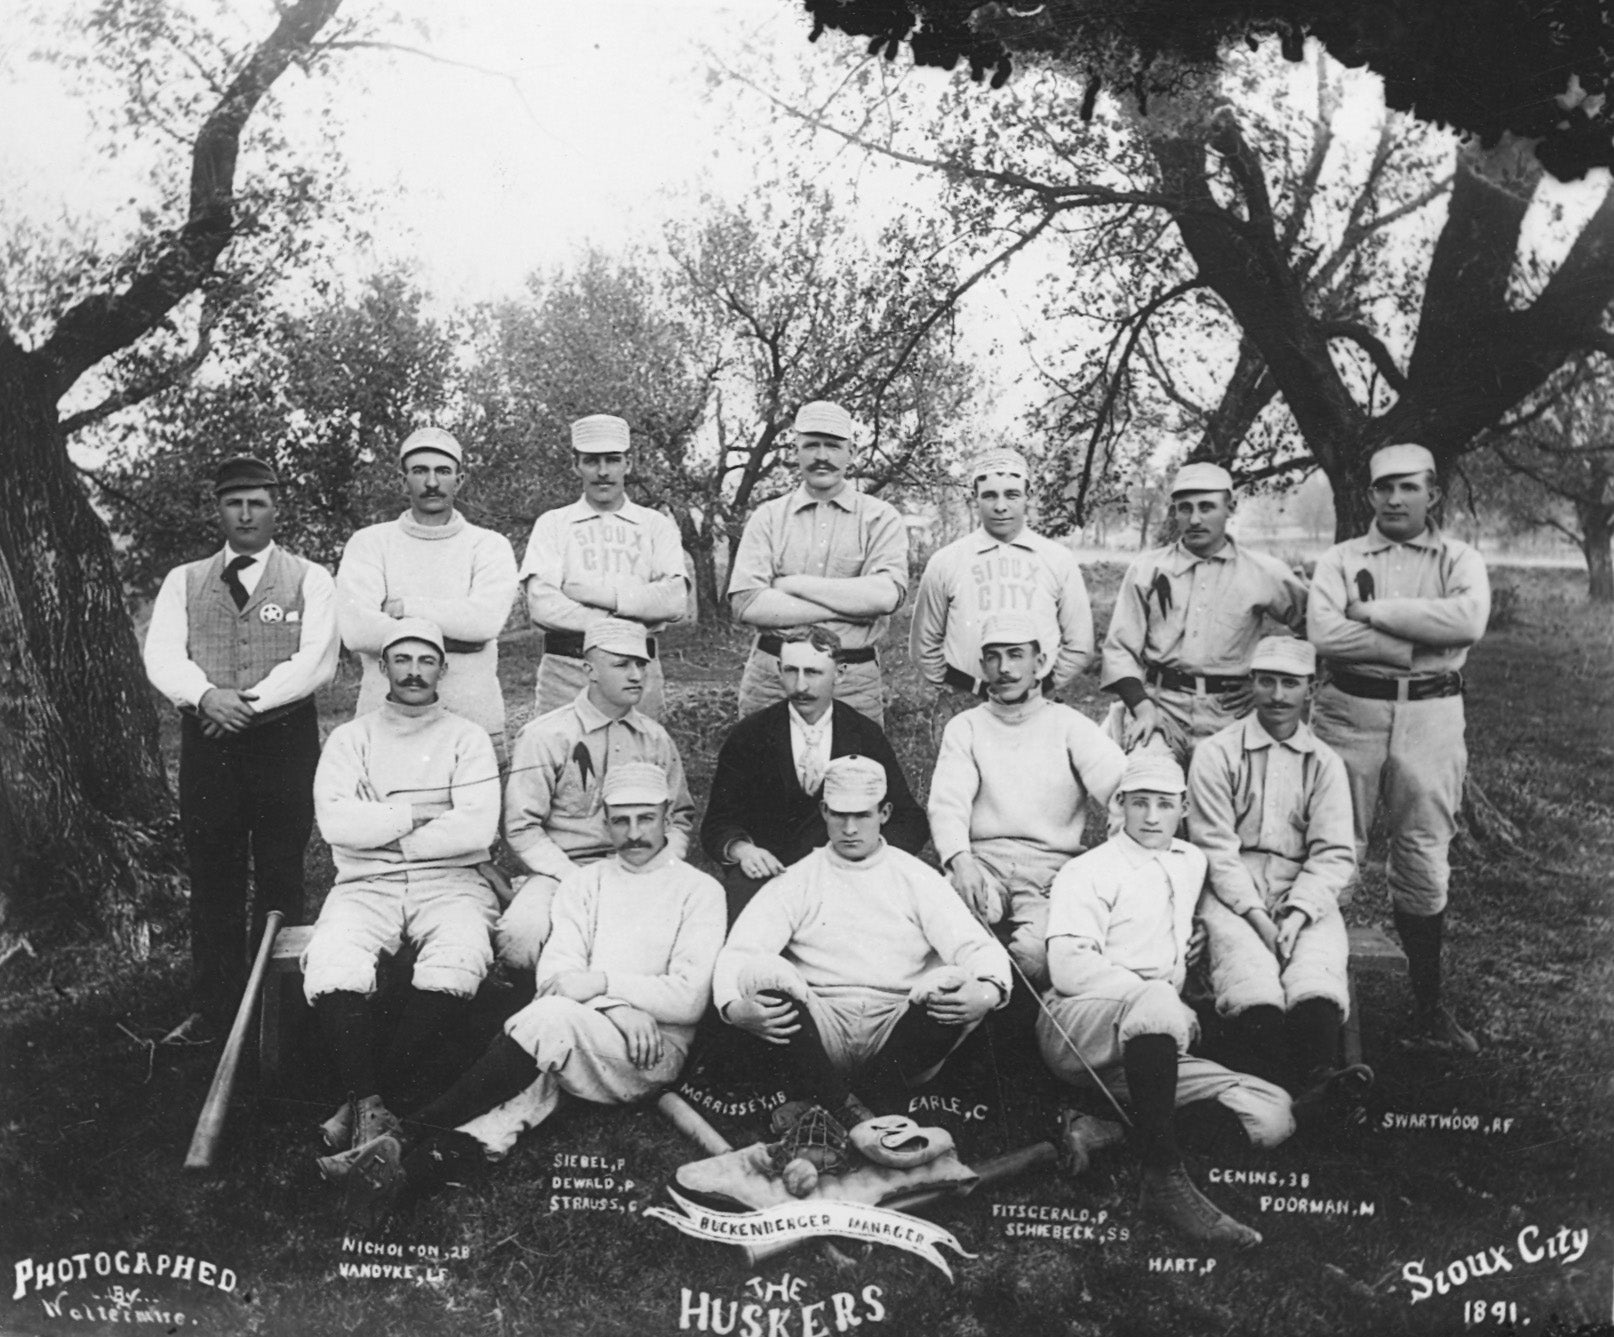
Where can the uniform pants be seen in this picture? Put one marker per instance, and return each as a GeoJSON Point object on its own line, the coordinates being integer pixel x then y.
{"type": "Point", "coordinates": [1411, 757]}
{"type": "Point", "coordinates": [245, 800]}
{"type": "Point", "coordinates": [1099, 1026]}
{"type": "Point", "coordinates": [1023, 876]}
{"type": "Point", "coordinates": [578, 1050]}
{"type": "Point", "coordinates": [862, 686]}
{"type": "Point", "coordinates": [561, 678]}
{"type": "Point", "coordinates": [524, 926]}
{"type": "Point", "coordinates": [1245, 973]}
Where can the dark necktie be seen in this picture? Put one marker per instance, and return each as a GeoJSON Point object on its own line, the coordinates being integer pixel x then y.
{"type": "Point", "coordinates": [232, 578]}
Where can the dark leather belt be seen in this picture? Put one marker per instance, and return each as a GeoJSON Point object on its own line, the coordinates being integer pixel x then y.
{"type": "Point", "coordinates": [771, 645]}
{"type": "Point", "coordinates": [1206, 684]}
{"type": "Point", "coordinates": [570, 643]}
{"type": "Point", "coordinates": [1397, 689]}
{"type": "Point", "coordinates": [957, 678]}
{"type": "Point", "coordinates": [462, 647]}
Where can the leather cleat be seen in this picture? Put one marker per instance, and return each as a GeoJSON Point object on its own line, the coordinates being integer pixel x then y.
{"type": "Point", "coordinates": [1170, 1196]}
{"type": "Point", "coordinates": [1433, 1028]}
{"type": "Point", "coordinates": [338, 1129]}
{"type": "Point", "coordinates": [1083, 1135]}
{"type": "Point", "coordinates": [372, 1120]}
{"type": "Point", "coordinates": [1325, 1086]}
{"type": "Point", "coordinates": [374, 1180]}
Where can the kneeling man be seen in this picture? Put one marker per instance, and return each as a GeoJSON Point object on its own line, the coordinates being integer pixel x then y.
{"type": "Point", "coordinates": [1008, 801]}
{"type": "Point", "coordinates": [408, 798]}
{"type": "Point", "coordinates": [1118, 946]}
{"type": "Point", "coordinates": [858, 960]}
{"type": "Point", "coordinates": [622, 980]}
{"type": "Point", "coordinates": [1270, 805]}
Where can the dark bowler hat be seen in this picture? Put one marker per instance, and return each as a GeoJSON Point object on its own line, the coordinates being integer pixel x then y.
{"type": "Point", "coordinates": [243, 471]}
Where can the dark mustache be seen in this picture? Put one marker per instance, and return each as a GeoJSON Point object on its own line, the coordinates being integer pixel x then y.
{"type": "Point", "coordinates": [413, 682]}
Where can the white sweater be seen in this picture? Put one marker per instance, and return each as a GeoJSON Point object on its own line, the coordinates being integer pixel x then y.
{"type": "Point", "coordinates": [375, 768]}
{"type": "Point", "coordinates": [459, 576]}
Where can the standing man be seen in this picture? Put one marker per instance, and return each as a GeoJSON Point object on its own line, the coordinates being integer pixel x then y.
{"type": "Point", "coordinates": [554, 805]}
{"type": "Point", "coordinates": [431, 562]}
{"type": "Point", "coordinates": [240, 642]}
{"type": "Point", "coordinates": [1393, 615]}
{"type": "Point", "coordinates": [763, 814]}
{"type": "Point", "coordinates": [1187, 618]}
{"type": "Point", "coordinates": [825, 554]}
{"type": "Point", "coordinates": [602, 556]}
{"type": "Point", "coordinates": [408, 799]}
{"type": "Point", "coordinates": [1270, 806]}
{"type": "Point", "coordinates": [1008, 800]}
{"type": "Point", "coordinates": [1003, 567]}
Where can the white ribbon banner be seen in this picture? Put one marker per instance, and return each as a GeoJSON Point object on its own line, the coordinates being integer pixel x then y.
{"type": "Point", "coordinates": [792, 1221]}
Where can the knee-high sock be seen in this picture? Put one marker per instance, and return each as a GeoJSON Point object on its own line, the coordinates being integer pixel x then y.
{"type": "Point", "coordinates": [504, 1070]}
{"type": "Point", "coordinates": [417, 1044]}
{"type": "Point", "coordinates": [1311, 1028]}
{"type": "Point", "coordinates": [1150, 1062]}
{"type": "Point", "coordinates": [917, 1044]}
{"type": "Point", "coordinates": [806, 1067]}
{"type": "Point", "coordinates": [347, 1020]}
{"type": "Point", "coordinates": [1259, 1042]}
{"type": "Point", "coordinates": [1420, 937]}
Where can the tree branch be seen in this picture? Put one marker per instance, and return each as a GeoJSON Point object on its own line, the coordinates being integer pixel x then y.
{"type": "Point", "coordinates": [1370, 344]}
{"type": "Point", "coordinates": [173, 374]}
{"type": "Point", "coordinates": [101, 324]}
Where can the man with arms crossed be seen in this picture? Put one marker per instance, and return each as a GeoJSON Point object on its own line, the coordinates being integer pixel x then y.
{"type": "Point", "coordinates": [1393, 615]}
{"type": "Point", "coordinates": [602, 556]}
{"type": "Point", "coordinates": [431, 562]}
{"type": "Point", "coordinates": [240, 642]}
{"type": "Point", "coordinates": [1008, 800]}
{"type": "Point", "coordinates": [826, 554]}
{"type": "Point", "coordinates": [554, 809]}
{"type": "Point", "coordinates": [1270, 806]}
{"type": "Point", "coordinates": [858, 961]}
{"type": "Point", "coordinates": [1187, 617]}
{"type": "Point", "coordinates": [1003, 567]}
{"type": "Point", "coordinates": [1118, 948]}
{"type": "Point", "coordinates": [763, 812]}
{"type": "Point", "coordinates": [407, 795]}
{"type": "Point", "coordinates": [621, 983]}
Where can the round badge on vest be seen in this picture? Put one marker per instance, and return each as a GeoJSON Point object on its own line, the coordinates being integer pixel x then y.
{"type": "Point", "coordinates": [271, 613]}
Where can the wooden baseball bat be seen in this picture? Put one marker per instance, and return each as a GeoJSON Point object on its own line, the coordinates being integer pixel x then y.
{"type": "Point", "coordinates": [209, 1127]}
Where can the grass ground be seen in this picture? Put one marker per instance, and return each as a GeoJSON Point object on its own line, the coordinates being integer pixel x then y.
{"type": "Point", "coordinates": [95, 1118]}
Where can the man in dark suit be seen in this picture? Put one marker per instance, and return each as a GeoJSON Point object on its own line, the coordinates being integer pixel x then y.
{"type": "Point", "coordinates": [763, 812]}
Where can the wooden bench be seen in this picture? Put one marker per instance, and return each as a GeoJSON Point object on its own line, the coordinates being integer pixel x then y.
{"type": "Point", "coordinates": [285, 959]}
{"type": "Point", "coordinates": [1375, 951]}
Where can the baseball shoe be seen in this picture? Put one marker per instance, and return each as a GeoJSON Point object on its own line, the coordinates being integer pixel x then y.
{"type": "Point", "coordinates": [338, 1129]}
{"type": "Point", "coordinates": [372, 1119]}
{"type": "Point", "coordinates": [1434, 1028]}
{"type": "Point", "coordinates": [1169, 1195]}
{"type": "Point", "coordinates": [1081, 1135]}
{"type": "Point", "coordinates": [373, 1182]}
{"type": "Point", "coordinates": [1324, 1086]}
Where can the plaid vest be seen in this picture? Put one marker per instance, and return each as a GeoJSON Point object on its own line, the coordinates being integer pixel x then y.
{"type": "Point", "coordinates": [237, 647]}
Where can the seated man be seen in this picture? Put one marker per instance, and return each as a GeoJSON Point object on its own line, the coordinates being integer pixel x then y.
{"type": "Point", "coordinates": [408, 798]}
{"type": "Point", "coordinates": [1008, 801]}
{"type": "Point", "coordinates": [858, 960]}
{"type": "Point", "coordinates": [763, 812]}
{"type": "Point", "coordinates": [554, 819]}
{"type": "Point", "coordinates": [1118, 946]}
{"type": "Point", "coordinates": [622, 981]}
{"type": "Point", "coordinates": [1270, 805]}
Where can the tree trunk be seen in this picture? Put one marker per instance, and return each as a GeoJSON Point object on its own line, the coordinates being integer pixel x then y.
{"type": "Point", "coordinates": [79, 796]}
{"type": "Point", "coordinates": [1596, 533]}
{"type": "Point", "coordinates": [709, 599]}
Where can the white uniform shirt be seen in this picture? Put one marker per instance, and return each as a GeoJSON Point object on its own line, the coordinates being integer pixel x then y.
{"type": "Point", "coordinates": [634, 550]}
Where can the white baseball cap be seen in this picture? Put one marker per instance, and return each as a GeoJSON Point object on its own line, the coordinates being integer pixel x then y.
{"type": "Point", "coordinates": [1403, 459]}
{"type": "Point", "coordinates": [635, 782]}
{"type": "Point", "coordinates": [618, 636]}
{"type": "Point", "coordinates": [600, 434]}
{"type": "Point", "coordinates": [1201, 477]}
{"type": "Point", "coordinates": [431, 438]}
{"type": "Point", "coordinates": [853, 784]}
{"type": "Point", "coordinates": [822, 418]}
{"type": "Point", "coordinates": [414, 629]}
{"type": "Point", "coordinates": [1284, 654]}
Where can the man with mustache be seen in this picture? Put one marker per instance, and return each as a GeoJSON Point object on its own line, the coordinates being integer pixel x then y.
{"type": "Point", "coordinates": [431, 562]}
{"type": "Point", "coordinates": [602, 556]}
{"type": "Point", "coordinates": [1008, 800]}
{"type": "Point", "coordinates": [407, 796]}
{"type": "Point", "coordinates": [1393, 616]}
{"type": "Point", "coordinates": [622, 980]}
{"type": "Point", "coordinates": [825, 555]}
{"type": "Point", "coordinates": [1270, 805]}
{"type": "Point", "coordinates": [240, 642]}
{"type": "Point", "coordinates": [858, 963]}
{"type": "Point", "coordinates": [554, 809]}
{"type": "Point", "coordinates": [763, 814]}
{"type": "Point", "coordinates": [1003, 567]}
{"type": "Point", "coordinates": [1187, 617]}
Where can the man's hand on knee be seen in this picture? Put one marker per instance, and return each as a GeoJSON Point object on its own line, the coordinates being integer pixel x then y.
{"type": "Point", "coordinates": [771, 1019]}
{"type": "Point", "coordinates": [963, 1004]}
{"type": "Point", "coordinates": [1261, 922]}
{"type": "Point", "coordinates": [642, 1034]}
{"type": "Point", "coordinates": [1290, 922]}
